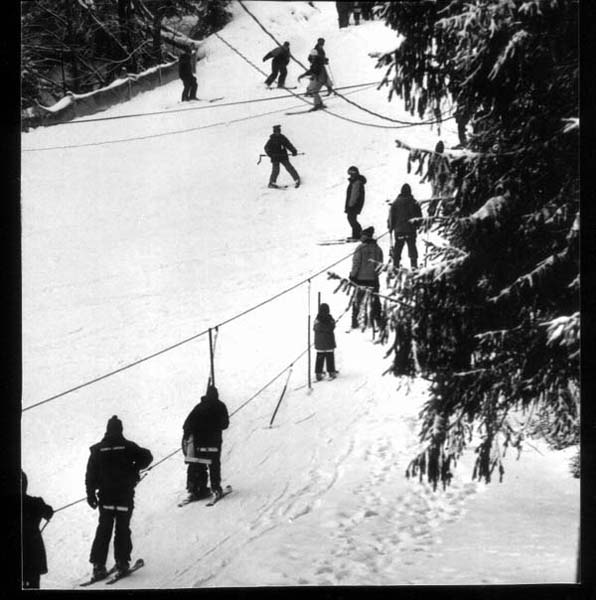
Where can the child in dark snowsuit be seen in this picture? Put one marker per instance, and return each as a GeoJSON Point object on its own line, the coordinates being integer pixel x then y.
{"type": "Point", "coordinates": [324, 342]}
{"type": "Point", "coordinates": [34, 552]}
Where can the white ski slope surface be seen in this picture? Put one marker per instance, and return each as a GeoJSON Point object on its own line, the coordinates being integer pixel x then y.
{"type": "Point", "coordinates": [134, 246]}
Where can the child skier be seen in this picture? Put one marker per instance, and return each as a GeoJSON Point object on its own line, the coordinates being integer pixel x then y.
{"type": "Point", "coordinates": [324, 342]}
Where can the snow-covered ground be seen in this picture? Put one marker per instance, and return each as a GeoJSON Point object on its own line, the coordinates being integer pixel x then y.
{"type": "Point", "coordinates": [133, 246]}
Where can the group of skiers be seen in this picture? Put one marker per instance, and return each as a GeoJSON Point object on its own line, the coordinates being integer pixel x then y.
{"type": "Point", "coordinates": [112, 473]}
{"type": "Point", "coordinates": [357, 9]}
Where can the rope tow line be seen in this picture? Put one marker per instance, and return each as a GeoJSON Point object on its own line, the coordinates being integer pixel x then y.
{"type": "Point", "coordinates": [185, 341]}
{"type": "Point", "coordinates": [179, 131]}
{"type": "Point", "coordinates": [371, 112]}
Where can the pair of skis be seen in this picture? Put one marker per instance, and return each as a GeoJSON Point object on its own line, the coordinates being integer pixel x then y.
{"type": "Point", "coordinates": [214, 499]}
{"type": "Point", "coordinates": [336, 241]}
{"type": "Point", "coordinates": [118, 576]}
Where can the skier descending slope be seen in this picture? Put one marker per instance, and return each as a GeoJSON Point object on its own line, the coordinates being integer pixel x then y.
{"type": "Point", "coordinates": [276, 148]}
{"type": "Point", "coordinates": [112, 474]}
{"type": "Point", "coordinates": [201, 443]}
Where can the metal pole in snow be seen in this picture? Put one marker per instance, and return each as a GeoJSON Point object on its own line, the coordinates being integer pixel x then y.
{"type": "Point", "coordinates": [212, 377]}
{"type": "Point", "coordinates": [282, 395]}
{"type": "Point", "coordinates": [308, 337]}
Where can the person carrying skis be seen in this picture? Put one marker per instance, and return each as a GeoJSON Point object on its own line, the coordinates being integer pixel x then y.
{"type": "Point", "coordinates": [324, 342]}
{"type": "Point", "coordinates": [318, 74]}
{"type": "Point", "coordinates": [403, 209]}
{"type": "Point", "coordinates": [201, 444]}
{"type": "Point", "coordinates": [365, 260]}
{"type": "Point", "coordinates": [34, 552]}
{"type": "Point", "coordinates": [276, 148]}
{"type": "Point", "coordinates": [280, 58]}
{"type": "Point", "coordinates": [354, 201]}
{"type": "Point", "coordinates": [112, 474]}
{"type": "Point", "coordinates": [186, 73]}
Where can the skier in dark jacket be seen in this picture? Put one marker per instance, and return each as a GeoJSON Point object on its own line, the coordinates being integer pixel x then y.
{"type": "Point", "coordinates": [186, 73]}
{"type": "Point", "coordinates": [112, 474]}
{"type": "Point", "coordinates": [280, 58]}
{"type": "Point", "coordinates": [403, 209]}
{"type": "Point", "coordinates": [34, 552]}
{"type": "Point", "coordinates": [365, 262]}
{"type": "Point", "coordinates": [324, 342]}
{"type": "Point", "coordinates": [201, 443]}
{"type": "Point", "coordinates": [354, 200]}
{"type": "Point", "coordinates": [276, 148]}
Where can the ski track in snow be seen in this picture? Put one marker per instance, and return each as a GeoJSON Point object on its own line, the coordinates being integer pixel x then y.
{"type": "Point", "coordinates": [128, 248]}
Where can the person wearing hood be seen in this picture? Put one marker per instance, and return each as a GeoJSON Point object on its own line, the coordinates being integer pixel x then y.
{"type": "Point", "coordinates": [112, 474]}
{"type": "Point", "coordinates": [403, 209]}
{"type": "Point", "coordinates": [201, 444]}
{"type": "Point", "coordinates": [280, 58]}
{"type": "Point", "coordinates": [354, 201]}
{"type": "Point", "coordinates": [34, 552]}
{"type": "Point", "coordinates": [366, 259]}
{"type": "Point", "coordinates": [324, 342]}
{"type": "Point", "coordinates": [276, 148]}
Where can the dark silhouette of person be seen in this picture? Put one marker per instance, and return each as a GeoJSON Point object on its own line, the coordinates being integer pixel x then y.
{"type": "Point", "coordinates": [403, 209]}
{"type": "Point", "coordinates": [280, 57]}
{"type": "Point", "coordinates": [186, 73]}
{"type": "Point", "coordinates": [110, 479]}
{"type": "Point", "coordinates": [201, 441]}
{"type": "Point", "coordinates": [34, 552]}
{"type": "Point", "coordinates": [276, 148]}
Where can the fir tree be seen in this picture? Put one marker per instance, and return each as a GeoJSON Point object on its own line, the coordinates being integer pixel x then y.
{"type": "Point", "coordinates": [493, 321]}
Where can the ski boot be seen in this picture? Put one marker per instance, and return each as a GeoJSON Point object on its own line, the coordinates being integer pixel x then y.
{"type": "Point", "coordinates": [217, 493]}
{"type": "Point", "coordinates": [319, 376]}
{"type": "Point", "coordinates": [99, 571]}
{"type": "Point", "coordinates": [273, 185]}
{"type": "Point", "coordinates": [297, 183]}
{"type": "Point", "coordinates": [122, 567]}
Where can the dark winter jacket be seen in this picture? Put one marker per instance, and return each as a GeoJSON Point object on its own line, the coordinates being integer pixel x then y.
{"type": "Point", "coordinates": [365, 260]}
{"type": "Point", "coordinates": [317, 59]}
{"type": "Point", "coordinates": [277, 146]}
{"type": "Point", "coordinates": [185, 66]}
{"type": "Point", "coordinates": [206, 421]}
{"type": "Point", "coordinates": [403, 209]}
{"type": "Point", "coordinates": [34, 553]}
{"type": "Point", "coordinates": [355, 195]}
{"type": "Point", "coordinates": [324, 336]}
{"type": "Point", "coordinates": [113, 469]}
{"type": "Point", "coordinates": [280, 55]}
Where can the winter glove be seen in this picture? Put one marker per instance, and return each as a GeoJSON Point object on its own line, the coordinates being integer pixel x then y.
{"type": "Point", "coordinates": [352, 279]}
{"type": "Point", "coordinates": [92, 500]}
{"type": "Point", "coordinates": [294, 153]}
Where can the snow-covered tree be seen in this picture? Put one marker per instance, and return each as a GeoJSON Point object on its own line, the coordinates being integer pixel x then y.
{"type": "Point", "coordinates": [493, 321]}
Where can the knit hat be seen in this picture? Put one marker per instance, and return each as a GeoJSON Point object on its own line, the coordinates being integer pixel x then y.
{"type": "Point", "coordinates": [353, 170]}
{"type": "Point", "coordinates": [277, 128]}
{"type": "Point", "coordinates": [114, 426]}
{"type": "Point", "coordinates": [368, 232]}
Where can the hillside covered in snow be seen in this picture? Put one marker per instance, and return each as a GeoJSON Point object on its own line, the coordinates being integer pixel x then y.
{"type": "Point", "coordinates": [140, 233]}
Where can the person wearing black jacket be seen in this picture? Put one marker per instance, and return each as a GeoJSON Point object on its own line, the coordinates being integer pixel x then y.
{"type": "Point", "coordinates": [354, 200]}
{"type": "Point", "coordinates": [185, 71]}
{"type": "Point", "coordinates": [403, 209]}
{"type": "Point", "coordinates": [276, 148]}
{"type": "Point", "coordinates": [112, 474]}
{"type": "Point", "coordinates": [201, 443]}
{"type": "Point", "coordinates": [280, 58]}
{"type": "Point", "coordinates": [34, 552]}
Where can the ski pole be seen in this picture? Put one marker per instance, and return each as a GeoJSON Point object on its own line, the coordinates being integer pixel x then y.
{"type": "Point", "coordinates": [260, 157]}
{"type": "Point", "coordinates": [282, 395]}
